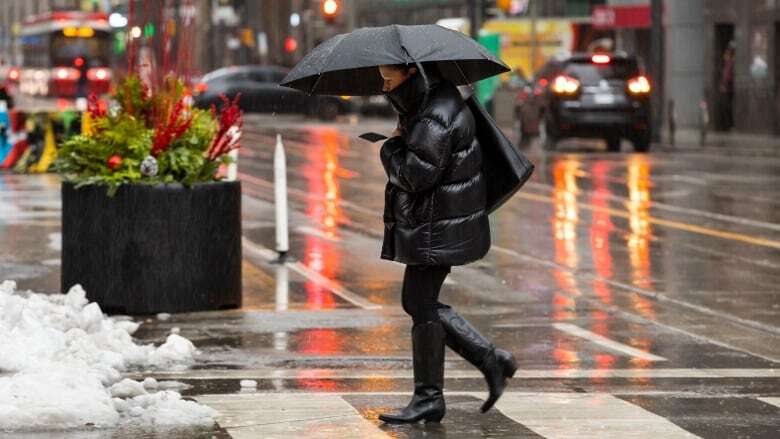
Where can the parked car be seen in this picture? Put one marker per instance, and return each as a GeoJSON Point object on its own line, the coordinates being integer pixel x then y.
{"type": "Point", "coordinates": [597, 95]}
{"type": "Point", "coordinates": [261, 93]}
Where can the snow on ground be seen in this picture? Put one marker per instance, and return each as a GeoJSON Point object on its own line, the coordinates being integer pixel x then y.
{"type": "Point", "coordinates": [63, 360]}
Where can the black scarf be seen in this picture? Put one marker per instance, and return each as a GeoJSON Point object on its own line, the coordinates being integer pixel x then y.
{"type": "Point", "coordinates": [407, 97]}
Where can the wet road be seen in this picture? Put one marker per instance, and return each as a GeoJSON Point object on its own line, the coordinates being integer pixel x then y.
{"type": "Point", "coordinates": [638, 292]}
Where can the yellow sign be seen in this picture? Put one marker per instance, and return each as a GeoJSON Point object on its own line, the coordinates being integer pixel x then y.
{"type": "Point", "coordinates": [553, 37]}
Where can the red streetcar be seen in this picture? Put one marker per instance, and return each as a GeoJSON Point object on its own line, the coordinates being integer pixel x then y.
{"type": "Point", "coordinates": [66, 54]}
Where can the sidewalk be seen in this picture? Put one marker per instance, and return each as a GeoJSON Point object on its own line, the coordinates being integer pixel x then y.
{"type": "Point", "coordinates": [736, 142]}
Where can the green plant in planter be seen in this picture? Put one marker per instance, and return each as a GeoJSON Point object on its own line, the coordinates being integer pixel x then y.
{"type": "Point", "coordinates": [150, 137]}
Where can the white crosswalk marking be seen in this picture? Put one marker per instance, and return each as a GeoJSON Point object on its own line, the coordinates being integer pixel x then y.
{"type": "Point", "coordinates": [290, 415]}
{"type": "Point", "coordinates": [605, 342]}
{"type": "Point", "coordinates": [774, 400]}
{"type": "Point", "coordinates": [584, 415]}
{"type": "Point", "coordinates": [258, 374]}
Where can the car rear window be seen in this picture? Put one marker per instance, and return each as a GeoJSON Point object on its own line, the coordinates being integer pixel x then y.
{"type": "Point", "coordinates": [590, 73]}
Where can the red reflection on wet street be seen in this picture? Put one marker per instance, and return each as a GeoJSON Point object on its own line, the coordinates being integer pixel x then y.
{"type": "Point", "coordinates": [564, 228]}
{"type": "Point", "coordinates": [600, 229]}
{"type": "Point", "coordinates": [640, 230]}
{"type": "Point", "coordinates": [323, 207]}
{"type": "Point", "coordinates": [320, 255]}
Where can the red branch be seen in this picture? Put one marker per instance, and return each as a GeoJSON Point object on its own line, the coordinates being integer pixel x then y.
{"type": "Point", "coordinates": [95, 107]}
{"type": "Point", "coordinates": [171, 129]}
{"type": "Point", "coordinates": [229, 132]}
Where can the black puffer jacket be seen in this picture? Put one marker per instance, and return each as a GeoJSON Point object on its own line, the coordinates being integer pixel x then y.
{"type": "Point", "coordinates": [435, 199]}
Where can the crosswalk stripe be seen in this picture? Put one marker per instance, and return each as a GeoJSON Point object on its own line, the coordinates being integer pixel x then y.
{"type": "Point", "coordinates": [605, 342]}
{"type": "Point", "coordinates": [774, 400]}
{"type": "Point", "coordinates": [582, 416]}
{"type": "Point", "coordinates": [323, 373]}
{"type": "Point", "coordinates": [290, 415]}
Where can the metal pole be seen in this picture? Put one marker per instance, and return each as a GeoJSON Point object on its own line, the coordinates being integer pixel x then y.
{"type": "Point", "coordinates": [657, 67]}
{"type": "Point", "coordinates": [534, 5]}
{"type": "Point", "coordinates": [474, 21]}
{"type": "Point", "coordinates": [280, 200]}
{"type": "Point", "coordinates": [352, 14]}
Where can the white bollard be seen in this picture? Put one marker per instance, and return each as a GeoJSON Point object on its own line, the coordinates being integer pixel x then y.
{"type": "Point", "coordinates": [232, 169]}
{"type": "Point", "coordinates": [280, 200]}
{"type": "Point", "coordinates": [282, 288]}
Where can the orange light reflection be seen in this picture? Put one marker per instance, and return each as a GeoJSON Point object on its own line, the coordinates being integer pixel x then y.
{"type": "Point", "coordinates": [640, 230]}
{"type": "Point", "coordinates": [564, 230]}
{"type": "Point", "coordinates": [321, 255]}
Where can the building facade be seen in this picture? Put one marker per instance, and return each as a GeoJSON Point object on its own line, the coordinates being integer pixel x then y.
{"type": "Point", "coordinates": [751, 30]}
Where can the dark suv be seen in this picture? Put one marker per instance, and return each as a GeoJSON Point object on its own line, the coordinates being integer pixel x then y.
{"type": "Point", "coordinates": [588, 95]}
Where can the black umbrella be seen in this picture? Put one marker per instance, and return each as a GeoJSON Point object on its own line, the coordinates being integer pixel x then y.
{"type": "Point", "coordinates": [347, 64]}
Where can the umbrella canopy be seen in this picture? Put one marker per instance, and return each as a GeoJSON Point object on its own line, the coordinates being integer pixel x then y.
{"type": "Point", "coordinates": [347, 64]}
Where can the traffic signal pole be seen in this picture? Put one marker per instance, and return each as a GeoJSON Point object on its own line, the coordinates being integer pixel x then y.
{"type": "Point", "coordinates": [475, 18]}
{"type": "Point", "coordinates": [657, 67]}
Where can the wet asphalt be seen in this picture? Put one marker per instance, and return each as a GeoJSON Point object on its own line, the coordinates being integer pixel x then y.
{"type": "Point", "coordinates": [637, 291]}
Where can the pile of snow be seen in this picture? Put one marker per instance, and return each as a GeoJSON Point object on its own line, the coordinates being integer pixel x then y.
{"type": "Point", "coordinates": [66, 359]}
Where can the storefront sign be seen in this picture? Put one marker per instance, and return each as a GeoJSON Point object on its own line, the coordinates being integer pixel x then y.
{"type": "Point", "coordinates": [621, 17]}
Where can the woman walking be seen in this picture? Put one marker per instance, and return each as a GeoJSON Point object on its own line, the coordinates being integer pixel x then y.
{"type": "Point", "coordinates": [435, 218]}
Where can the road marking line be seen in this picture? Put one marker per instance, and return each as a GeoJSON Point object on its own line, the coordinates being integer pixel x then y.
{"type": "Point", "coordinates": [605, 342]}
{"type": "Point", "coordinates": [581, 415]}
{"type": "Point", "coordinates": [659, 296]}
{"type": "Point", "coordinates": [774, 400]}
{"type": "Point", "coordinates": [269, 255]}
{"type": "Point", "coordinates": [656, 295]}
{"type": "Point", "coordinates": [666, 223]}
{"type": "Point", "coordinates": [327, 373]}
{"type": "Point", "coordinates": [285, 415]}
{"type": "Point", "coordinates": [317, 232]}
{"type": "Point", "coordinates": [306, 195]}
{"type": "Point", "coordinates": [677, 209]}
{"type": "Point", "coordinates": [672, 224]}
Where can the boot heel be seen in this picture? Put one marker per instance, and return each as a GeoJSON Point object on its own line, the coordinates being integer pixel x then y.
{"type": "Point", "coordinates": [434, 418]}
{"type": "Point", "coordinates": [510, 370]}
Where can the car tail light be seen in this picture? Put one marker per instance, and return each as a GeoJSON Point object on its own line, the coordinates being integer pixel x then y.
{"type": "Point", "coordinates": [600, 58]}
{"type": "Point", "coordinates": [66, 74]}
{"type": "Point", "coordinates": [201, 87]}
{"type": "Point", "coordinates": [565, 85]}
{"type": "Point", "coordinates": [14, 74]}
{"type": "Point", "coordinates": [639, 86]}
{"type": "Point", "coordinates": [99, 74]}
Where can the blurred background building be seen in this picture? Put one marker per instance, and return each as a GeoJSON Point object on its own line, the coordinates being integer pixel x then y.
{"type": "Point", "coordinates": [720, 56]}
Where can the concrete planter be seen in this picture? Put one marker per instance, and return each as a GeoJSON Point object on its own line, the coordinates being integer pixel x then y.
{"type": "Point", "coordinates": [150, 249]}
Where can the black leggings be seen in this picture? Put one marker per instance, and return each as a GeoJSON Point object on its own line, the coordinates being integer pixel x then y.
{"type": "Point", "coordinates": [420, 292]}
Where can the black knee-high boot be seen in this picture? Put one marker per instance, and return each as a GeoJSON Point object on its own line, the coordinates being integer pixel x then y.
{"type": "Point", "coordinates": [428, 358]}
{"type": "Point", "coordinates": [496, 365]}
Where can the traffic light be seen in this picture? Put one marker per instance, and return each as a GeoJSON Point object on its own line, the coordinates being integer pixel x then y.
{"type": "Point", "coordinates": [330, 9]}
{"type": "Point", "coordinates": [290, 44]}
